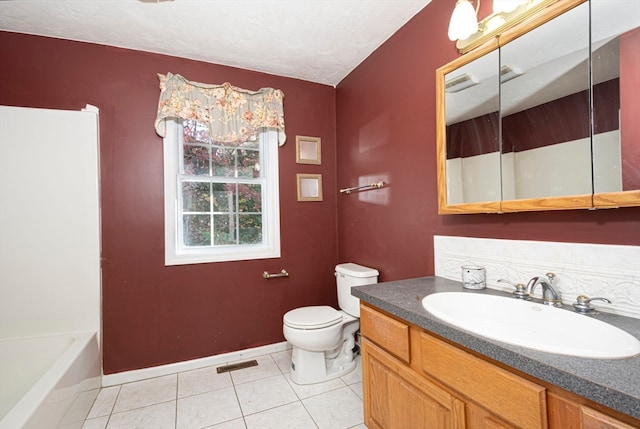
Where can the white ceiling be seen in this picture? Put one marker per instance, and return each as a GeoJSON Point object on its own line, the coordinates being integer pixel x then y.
{"type": "Point", "coordinates": [315, 40]}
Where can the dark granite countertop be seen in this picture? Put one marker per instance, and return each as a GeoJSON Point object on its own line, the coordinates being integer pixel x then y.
{"type": "Point", "coordinates": [614, 383]}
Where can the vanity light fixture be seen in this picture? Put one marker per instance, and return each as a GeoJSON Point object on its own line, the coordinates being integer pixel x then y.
{"type": "Point", "coordinates": [460, 82]}
{"type": "Point", "coordinates": [506, 6]}
{"type": "Point", "coordinates": [469, 33]}
{"type": "Point", "coordinates": [464, 20]}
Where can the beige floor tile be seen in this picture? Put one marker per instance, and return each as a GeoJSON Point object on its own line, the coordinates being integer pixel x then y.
{"type": "Point", "coordinates": [340, 408]}
{"type": "Point", "coordinates": [103, 405]}
{"type": "Point", "coordinates": [283, 360]}
{"type": "Point", "coordinates": [290, 416]}
{"type": "Point", "coordinates": [233, 424]}
{"type": "Point", "coordinates": [146, 392]}
{"type": "Point", "coordinates": [258, 397]}
{"type": "Point", "coordinates": [201, 381]}
{"type": "Point", "coordinates": [265, 393]}
{"type": "Point", "coordinates": [207, 409]}
{"type": "Point", "coordinates": [96, 423]}
{"type": "Point", "coordinates": [158, 416]}
{"type": "Point", "coordinates": [266, 368]}
{"type": "Point", "coordinates": [304, 391]}
{"type": "Point", "coordinates": [357, 388]}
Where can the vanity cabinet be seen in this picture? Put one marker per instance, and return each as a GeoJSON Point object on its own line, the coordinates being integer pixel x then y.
{"type": "Point", "coordinates": [397, 398]}
{"type": "Point", "coordinates": [412, 379]}
{"type": "Point", "coordinates": [570, 413]}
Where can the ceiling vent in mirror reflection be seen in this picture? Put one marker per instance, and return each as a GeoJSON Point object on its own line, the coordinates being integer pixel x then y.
{"type": "Point", "coordinates": [508, 72]}
{"type": "Point", "coordinates": [460, 82]}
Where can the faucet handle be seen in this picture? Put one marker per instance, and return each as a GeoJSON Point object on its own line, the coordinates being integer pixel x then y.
{"type": "Point", "coordinates": [520, 292]}
{"type": "Point", "coordinates": [583, 304]}
{"type": "Point", "coordinates": [551, 277]}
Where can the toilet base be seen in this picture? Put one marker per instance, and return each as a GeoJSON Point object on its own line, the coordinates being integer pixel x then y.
{"type": "Point", "coordinates": [314, 367]}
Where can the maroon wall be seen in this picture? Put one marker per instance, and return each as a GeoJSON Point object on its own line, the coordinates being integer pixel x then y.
{"type": "Point", "coordinates": [154, 314]}
{"type": "Point", "coordinates": [472, 137]}
{"type": "Point", "coordinates": [630, 108]}
{"type": "Point", "coordinates": [385, 115]}
{"type": "Point", "coordinates": [388, 105]}
{"type": "Point", "coordinates": [565, 119]}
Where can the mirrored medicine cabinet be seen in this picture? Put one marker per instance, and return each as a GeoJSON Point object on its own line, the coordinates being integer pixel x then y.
{"type": "Point", "coordinates": [546, 115]}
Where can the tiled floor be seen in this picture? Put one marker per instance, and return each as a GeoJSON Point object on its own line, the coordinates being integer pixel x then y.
{"type": "Point", "coordinates": [260, 397]}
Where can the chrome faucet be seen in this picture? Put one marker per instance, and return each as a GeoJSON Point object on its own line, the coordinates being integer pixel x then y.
{"type": "Point", "coordinates": [520, 292]}
{"type": "Point", "coordinates": [583, 304]}
{"type": "Point", "coordinates": [550, 295]}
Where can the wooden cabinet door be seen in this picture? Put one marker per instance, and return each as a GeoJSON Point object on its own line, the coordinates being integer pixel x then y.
{"type": "Point", "coordinates": [395, 397]}
{"type": "Point", "coordinates": [479, 418]}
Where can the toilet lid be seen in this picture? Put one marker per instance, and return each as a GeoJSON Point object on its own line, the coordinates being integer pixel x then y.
{"type": "Point", "coordinates": [315, 317]}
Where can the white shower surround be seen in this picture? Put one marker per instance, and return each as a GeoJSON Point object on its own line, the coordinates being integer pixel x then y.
{"type": "Point", "coordinates": [49, 267]}
{"type": "Point", "coordinates": [595, 270]}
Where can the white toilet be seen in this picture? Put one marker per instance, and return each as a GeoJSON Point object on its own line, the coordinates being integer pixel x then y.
{"type": "Point", "coordinates": [323, 338]}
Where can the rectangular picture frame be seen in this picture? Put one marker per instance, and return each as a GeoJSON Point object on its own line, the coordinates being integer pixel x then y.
{"type": "Point", "coordinates": [308, 150]}
{"type": "Point", "coordinates": [309, 187]}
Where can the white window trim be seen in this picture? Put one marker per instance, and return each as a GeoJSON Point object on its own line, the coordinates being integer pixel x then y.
{"type": "Point", "coordinates": [270, 207]}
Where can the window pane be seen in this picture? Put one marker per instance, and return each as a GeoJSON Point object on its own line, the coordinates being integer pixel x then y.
{"type": "Point", "coordinates": [196, 160]}
{"type": "Point", "coordinates": [224, 197]}
{"type": "Point", "coordinates": [249, 198]}
{"type": "Point", "coordinates": [224, 229]}
{"type": "Point", "coordinates": [195, 196]}
{"type": "Point", "coordinates": [195, 132]}
{"type": "Point", "coordinates": [219, 189]}
{"type": "Point", "coordinates": [250, 229]}
{"type": "Point", "coordinates": [248, 163]}
{"type": "Point", "coordinates": [224, 162]}
{"type": "Point", "coordinates": [253, 142]}
{"type": "Point", "coordinates": [197, 230]}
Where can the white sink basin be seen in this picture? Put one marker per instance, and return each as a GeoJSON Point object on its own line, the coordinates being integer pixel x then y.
{"type": "Point", "coordinates": [532, 325]}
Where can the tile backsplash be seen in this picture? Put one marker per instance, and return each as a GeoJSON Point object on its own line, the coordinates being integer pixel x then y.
{"type": "Point", "coordinates": [595, 270]}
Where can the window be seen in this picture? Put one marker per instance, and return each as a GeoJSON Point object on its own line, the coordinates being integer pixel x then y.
{"type": "Point", "coordinates": [221, 199]}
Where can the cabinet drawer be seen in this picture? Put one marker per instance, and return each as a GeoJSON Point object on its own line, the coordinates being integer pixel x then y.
{"type": "Point", "coordinates": [390, 334]}
{"type": "Point", "coordinates": [508, 396]}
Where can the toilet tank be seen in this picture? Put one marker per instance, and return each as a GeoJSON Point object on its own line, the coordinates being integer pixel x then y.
{"type": "Point", "coordinates": [350, 275]}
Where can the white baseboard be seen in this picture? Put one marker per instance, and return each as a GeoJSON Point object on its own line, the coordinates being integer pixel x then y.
{"type": "Point", "coordinates": [172, 368]}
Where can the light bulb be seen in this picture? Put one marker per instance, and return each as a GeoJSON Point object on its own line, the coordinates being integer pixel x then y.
{"type": "Point", "coordinates": [494, 23]}
{"type": "Point", "coordinates": [463, 21]}
{"type": "Point", "coordinates": [506, 6]}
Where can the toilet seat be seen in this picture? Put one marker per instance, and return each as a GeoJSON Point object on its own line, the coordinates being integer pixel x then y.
{"type": "Point", "coordinates": [314, 317]}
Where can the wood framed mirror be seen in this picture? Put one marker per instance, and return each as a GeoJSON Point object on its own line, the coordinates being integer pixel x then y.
{"type": "Point", "coordinates": [529, 121]}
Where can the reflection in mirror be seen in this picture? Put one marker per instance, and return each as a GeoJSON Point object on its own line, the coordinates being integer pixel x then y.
{"type": "Point", "coordinates": [616, 109]}
{"type": "Point", "coordinates": [472, 149]}
{"type": "Point", "coordinates": [545, 110]}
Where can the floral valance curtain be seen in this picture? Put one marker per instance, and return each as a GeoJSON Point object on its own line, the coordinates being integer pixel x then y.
{"type": "Point", "coordinates": [233, 114]}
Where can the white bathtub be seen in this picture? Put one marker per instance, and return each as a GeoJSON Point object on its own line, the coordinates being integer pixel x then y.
{"type": "Point", "coordinates": [48, 382]}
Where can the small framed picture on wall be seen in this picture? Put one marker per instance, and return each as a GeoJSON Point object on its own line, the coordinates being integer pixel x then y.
{"type": "Point", "coordinates": [308, 150]}
{"type": "Point", "coordinates": [309, 187]}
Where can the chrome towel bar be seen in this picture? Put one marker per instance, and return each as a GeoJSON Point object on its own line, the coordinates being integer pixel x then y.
{"type": "Point", "coordinates": [282, 273]}
{"type": "Point", "coordinates": [368, 187]}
